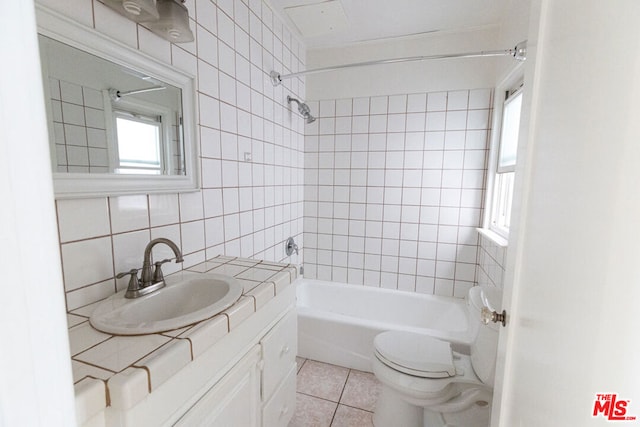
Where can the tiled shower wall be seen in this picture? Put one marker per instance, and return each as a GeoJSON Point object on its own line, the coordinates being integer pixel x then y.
{"type": "Point", "coordinates": [249, 203]}
{"type": "Point", "coordinates": [394, 190]}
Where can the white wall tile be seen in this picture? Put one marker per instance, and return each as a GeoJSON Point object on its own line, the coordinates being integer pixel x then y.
{"type": "Point", "coordinates": [479, 98]}
{"type": "Point", "coordinates": [86, 262]}
{"type": "Point", "coordinates": [191, 206]}
{"type": "Point", "coordinates": [458, 100]}
{"type": "Point", "coordinates": [192, 236]}
{"type": "Point", "coordinates": [397, 197]}
{"type": "Point", "coordinates": [379, 104]}
{"type": "Point", "coordinates": [207, 45]}
{"type": "Point", "coordinates": [417, 103]}
{"type": "Point", "coordinates": [83, 218]}
{"type": "Point", "coordinates": [128, 213]}
{"type": "Point", "coordinates": [397, 104]}
{"type": "Point", "coordinates": [437, 101]}
{"type": "Point", "coordinates": [456, 120]}
{"type": "Point", "coordinates": [361, 107]}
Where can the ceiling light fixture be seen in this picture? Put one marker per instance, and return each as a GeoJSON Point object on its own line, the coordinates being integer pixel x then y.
{"type": "Point", "coordinates": [168, 19]}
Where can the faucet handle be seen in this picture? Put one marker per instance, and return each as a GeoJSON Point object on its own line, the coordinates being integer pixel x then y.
{"type": "Point", "coordinates": [133, 272]}
{"type": "Point", "coordinates": [157, 274]}
{"type": "Point", "coordinates": [133, 280]}
{"type": "Point", "coordinates": [290, 247]}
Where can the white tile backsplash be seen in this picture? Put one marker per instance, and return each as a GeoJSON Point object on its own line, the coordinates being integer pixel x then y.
{"type": "Point", "coordinates": [86, 262]}
{"type": "Point", "coordinates": [83, 219]}
{"type": "Point", "coordinates": [129, 213]}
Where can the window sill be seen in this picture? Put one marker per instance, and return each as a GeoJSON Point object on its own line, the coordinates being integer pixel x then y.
{"type": "Point", "coordinates": [494, 237]}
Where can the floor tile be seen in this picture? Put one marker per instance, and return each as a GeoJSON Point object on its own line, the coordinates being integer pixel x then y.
{"type": "Point", "coordinates": [312, 412]}
{"type": "Point", "coordinates": [322, 380]}
{"type": "Point", "coordinates": [361, 391]}
{"type": "Point", "coordinates": [347, 416]}
{"type": "Point", "coordinates": [318, 385]}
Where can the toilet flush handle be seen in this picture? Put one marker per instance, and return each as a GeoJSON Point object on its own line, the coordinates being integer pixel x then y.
{"type": "Point", "coordinates": [493, 316]}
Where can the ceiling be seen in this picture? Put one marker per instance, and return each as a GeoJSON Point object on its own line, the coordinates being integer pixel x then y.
{"type": "Point", "coordinates": [331, 23]}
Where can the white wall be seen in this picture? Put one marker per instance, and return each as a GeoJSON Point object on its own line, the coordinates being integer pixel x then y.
{"type": "Point", "coordinates": [414, 77]}
{"type": "Point", "coordinates": [573, 324]}
{"type": "Point", "coordinates": [514, 27]}
{"type": "Point", "coordinates": [35, 370]}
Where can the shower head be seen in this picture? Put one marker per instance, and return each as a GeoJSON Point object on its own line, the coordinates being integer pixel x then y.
{"type": "Point", "coordinates": [303, 109]}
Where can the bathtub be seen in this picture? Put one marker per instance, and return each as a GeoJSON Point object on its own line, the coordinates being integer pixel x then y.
{"type": "Point", "coordinates": [337, 322]}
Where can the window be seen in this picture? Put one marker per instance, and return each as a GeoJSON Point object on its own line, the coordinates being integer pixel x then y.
{"type": "Point", "coordinates": [141, 137]}
{"type": "Point", "coordinates": [506, 164]}
{"type": "Point", "coordinates": [139, 140]}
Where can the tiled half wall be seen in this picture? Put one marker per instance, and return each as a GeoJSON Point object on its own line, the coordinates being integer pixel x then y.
{"type": "Point", "coordinates": [394, 190]}
{"type": "Point", "coordinates": [251, 152]}
{"type": "Point", "coordinates": [492, 259]}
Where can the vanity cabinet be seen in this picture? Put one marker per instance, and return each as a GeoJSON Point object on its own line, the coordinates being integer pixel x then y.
{"type": "Point", "coordinates": [279, 408]}
{"type": "Point", "coordinates": [259, 390]}
{"type": "Point", "coordinates": [244, 376]}
{"type": "Point", "coordinates": [279, 348]}
{"type": "Point", "coordinates": [233, 401]}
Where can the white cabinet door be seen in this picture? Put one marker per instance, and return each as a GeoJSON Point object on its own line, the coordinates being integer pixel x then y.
{"type": "Point", "coordinates": [278, 411]}
{"type": "Point", "coordinates": [233, 401]}
{"type": "Point", "coordinates": [279, 349]}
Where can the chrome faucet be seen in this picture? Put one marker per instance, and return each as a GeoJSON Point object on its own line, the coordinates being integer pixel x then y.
{"type": "Point", "coordinates": [150, 280]}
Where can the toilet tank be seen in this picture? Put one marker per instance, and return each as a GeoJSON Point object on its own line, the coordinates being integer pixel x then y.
{"type": "Point", "coordinates": [484, 345]}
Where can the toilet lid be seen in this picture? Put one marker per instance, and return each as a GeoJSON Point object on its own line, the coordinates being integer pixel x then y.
{"type": "Point", "coordinates": [415, 354]}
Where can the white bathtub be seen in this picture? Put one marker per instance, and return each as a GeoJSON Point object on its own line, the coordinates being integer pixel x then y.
{"type": "Point", "coordinates": [337, 322]}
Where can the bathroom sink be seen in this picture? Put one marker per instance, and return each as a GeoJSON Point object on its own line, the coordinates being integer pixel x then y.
{"type": "Point", "coordinates": [188, 298]}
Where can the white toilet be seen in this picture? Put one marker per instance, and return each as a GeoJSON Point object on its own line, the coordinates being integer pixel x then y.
{"type": "Point", "coordinates": [426, 384]}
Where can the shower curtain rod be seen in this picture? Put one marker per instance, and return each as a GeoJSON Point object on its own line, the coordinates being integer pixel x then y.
{"type": "Point", "coordinates": [519, 53]}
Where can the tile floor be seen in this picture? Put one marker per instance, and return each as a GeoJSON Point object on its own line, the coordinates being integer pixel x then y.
{"type": "Point", "coordinates": [333, 396]}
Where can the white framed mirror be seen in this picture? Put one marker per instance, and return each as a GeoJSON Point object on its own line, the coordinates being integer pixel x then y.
{"type": "Point", "coordinates": [120, 121]}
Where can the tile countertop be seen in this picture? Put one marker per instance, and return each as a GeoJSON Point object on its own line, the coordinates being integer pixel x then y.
{"type": "Point", "coordinates": [120, 371]}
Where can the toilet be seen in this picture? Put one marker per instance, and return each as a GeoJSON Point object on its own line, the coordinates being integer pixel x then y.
{"type": "Point", "coordinates": [426, 384]}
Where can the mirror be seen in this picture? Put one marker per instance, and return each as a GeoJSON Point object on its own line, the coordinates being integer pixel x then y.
{"type": "Point", "coordinates": [120, 122]}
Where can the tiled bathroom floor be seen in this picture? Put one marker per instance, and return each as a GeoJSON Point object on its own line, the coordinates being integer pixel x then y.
{"type": "Point", "coordinates": [333, 396]}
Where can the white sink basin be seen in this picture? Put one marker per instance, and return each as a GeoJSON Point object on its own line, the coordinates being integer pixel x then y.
{"type": "Point", "coordinates": [188, 298]}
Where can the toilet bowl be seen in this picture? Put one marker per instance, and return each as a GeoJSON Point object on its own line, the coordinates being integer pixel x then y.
{"type": "Point", "coordinates": [426, 384]}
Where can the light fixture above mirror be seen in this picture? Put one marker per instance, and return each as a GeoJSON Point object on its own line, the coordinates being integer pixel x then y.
{"type": "Point", "coordinates": [136, 10]}
{"type": "Point", "coordinates": [168, 19]}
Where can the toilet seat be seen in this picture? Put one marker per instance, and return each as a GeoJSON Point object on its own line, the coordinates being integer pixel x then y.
{"type": "Point", "coordinates": [413, 354]}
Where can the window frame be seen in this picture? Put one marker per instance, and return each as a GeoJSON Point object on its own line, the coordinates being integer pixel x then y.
{"type": "Point", "coordinates": [513, 85]}
{"type": "Point", "coordinates": [136, 107]}
{"type": "Point", "coordinates": [125, 114]}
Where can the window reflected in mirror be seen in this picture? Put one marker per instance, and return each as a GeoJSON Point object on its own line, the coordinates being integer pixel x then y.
{"type": "Point", "coordinates": [138, 144]}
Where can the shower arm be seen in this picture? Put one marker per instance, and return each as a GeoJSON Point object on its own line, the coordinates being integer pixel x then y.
{"type": "Point", "coordinates": [519, 53]}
